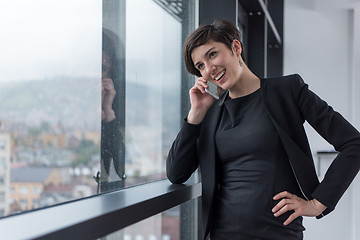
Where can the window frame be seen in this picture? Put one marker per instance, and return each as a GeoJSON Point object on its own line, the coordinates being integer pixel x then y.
{"type": "Point", "coordinates": [109, 212]}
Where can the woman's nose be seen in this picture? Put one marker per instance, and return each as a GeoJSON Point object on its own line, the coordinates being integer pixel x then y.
{"type": "Point", "coordinates": [209, 69]}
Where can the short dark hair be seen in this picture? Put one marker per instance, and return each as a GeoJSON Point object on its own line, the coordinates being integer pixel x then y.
{"type": "Point", "coordinates": [220, 31]}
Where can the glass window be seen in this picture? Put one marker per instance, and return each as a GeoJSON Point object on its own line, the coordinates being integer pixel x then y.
{"type": "Point", "coordinates": [23, 203]}
{"type": "Point", "coordinates": [142, 62]}
{"type": "Point", "coordinates": [2, 144]}
{"type": "Point", "coordinates": [2, 196]}
{"type": "Point", "coordinates": [2, 163]}
{"type": "Point", "coordinates": [163, 226]}
{"type": "Point", "coordinates": [153, 77]}
{"type": "Point", "coordinates": [50, 95]}
{"type": "Point", "coordinates": [23, 189]}
{"type": "Point", "coordinates": [36, 190]}
{"type": "Point", "coordinates": [35, 203]}
{"type": "Point", "coordinates": [171, 224]}
{"type": "Point", "coordinates": [90, 93]}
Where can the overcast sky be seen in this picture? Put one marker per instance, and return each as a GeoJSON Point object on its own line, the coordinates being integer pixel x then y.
{"type": "Point", "coordinates": [45, 38]}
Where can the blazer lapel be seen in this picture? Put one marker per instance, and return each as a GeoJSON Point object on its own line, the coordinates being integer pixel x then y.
{"type": "Point", "coordinates": [303, 173]}
{"type": "Point", "coordinates": [300, 162]}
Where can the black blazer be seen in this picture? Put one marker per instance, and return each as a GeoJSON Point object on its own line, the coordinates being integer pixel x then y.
{"type": "Point", "coordinates": [289, 103]}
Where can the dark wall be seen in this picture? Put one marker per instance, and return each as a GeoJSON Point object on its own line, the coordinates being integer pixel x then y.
{"type": "Point", "coordinates": [209, 10]}
{"type": "Point", "coordinates": [250, 18]}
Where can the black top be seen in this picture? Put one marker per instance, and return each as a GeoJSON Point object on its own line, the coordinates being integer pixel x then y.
{"type": "Point", "coordinates": [253, 167]}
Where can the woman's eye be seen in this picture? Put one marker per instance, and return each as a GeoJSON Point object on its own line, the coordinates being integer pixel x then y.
{"type": "Point", "coordinates": [200, 66]}
{"type": "Point", "coordinates": [212, 54]}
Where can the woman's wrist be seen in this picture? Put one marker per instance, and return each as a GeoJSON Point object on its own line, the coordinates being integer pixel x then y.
{"type": "Point", "coordinates": [318, 206]}
{"type": "Point", "coordinates": [195, 116]}
{"type": "Point", "coordinates": [109, 115]}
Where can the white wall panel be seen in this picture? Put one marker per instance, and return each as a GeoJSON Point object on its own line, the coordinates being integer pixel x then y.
{"type": "Point", "coordinates": [323, 46]}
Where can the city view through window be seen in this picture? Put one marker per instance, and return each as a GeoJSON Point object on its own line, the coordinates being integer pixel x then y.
{"type": "Point", "coordinates": [49, 109]}
{"type": "Point", "coordinates": [51, 76]}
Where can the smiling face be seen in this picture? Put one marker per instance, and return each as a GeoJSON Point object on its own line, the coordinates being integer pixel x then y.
{"type": "Point", "coordinates": [218, 64]}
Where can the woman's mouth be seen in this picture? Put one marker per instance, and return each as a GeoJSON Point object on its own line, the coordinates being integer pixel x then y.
{"type": "Point", "coordinates": [219, 76]}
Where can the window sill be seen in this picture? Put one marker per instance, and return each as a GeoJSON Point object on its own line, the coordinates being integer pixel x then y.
{"type": "Point", "coordinates": [98, 215]}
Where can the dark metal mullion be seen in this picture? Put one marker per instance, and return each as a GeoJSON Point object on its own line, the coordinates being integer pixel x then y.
{"type": "Point", "coordinates": [256, 40]}
{"type": "Point", "coordinates": [189, 211]}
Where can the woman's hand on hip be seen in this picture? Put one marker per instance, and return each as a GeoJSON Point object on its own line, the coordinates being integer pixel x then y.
{"type": "Point", "coordinates": [301, 207]}
{"type": "Point", "coordinates": [200, 101]}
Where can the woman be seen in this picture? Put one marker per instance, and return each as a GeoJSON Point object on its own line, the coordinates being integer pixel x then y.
{"type": "Point", "coordinates": [257, 172]}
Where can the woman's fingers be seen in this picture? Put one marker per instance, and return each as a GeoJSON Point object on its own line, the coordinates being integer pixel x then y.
{"type": "Point", "coordinates": [282, 207]}
{"type": "Point", "coordinates": [301, 207]}
{"type": "Point", "coordinates": [200, 101]}
{"type": "Point", "coordinates": [283, 194]}
{"type": "Point", "coordinates": [291, 218]}
{"type": "Point", "coordinates": [201, 79]}
{"type": "Point", "coordinates": [289, 202]}
{"type": "Point", "coordinates": [201, 84]}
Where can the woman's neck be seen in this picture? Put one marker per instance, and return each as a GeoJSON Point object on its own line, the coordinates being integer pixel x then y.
{"type": "Point", "coordinates": [248, 83]}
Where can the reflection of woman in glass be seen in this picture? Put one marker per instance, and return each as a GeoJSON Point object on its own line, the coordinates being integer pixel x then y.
{"type": "Point", "coordinates": [258, 175]}
{"type": "Point", "coordinates": [108, 91]}
{"type": "Point", "coordinates": [112, 146]}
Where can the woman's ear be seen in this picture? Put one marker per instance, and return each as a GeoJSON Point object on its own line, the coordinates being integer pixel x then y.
{"type": "Point", "coordinates": [236, 47]}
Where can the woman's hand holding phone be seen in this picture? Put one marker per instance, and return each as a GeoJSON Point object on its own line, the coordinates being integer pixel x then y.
{"type": "Point", "coordinates": [200, 101]}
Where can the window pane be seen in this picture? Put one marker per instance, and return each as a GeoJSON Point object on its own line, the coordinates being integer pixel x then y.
{"type": "Point", "coordinates": [142, 45]}
{"type": "Point", "coordinates": [164, 226]}
{"type": "Point", "coordinates": [90, 96]}
{"type": "Point", "coordinates": [153, 73]}
{"type": "Point", "coordinates": [50, 92]}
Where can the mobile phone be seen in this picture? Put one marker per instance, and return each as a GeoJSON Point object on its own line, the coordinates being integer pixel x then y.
{"type": "Point", "coordinates": [212, 90]}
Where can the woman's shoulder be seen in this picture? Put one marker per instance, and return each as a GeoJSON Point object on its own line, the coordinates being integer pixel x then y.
{"type": "Point", "coordinates": [287, 79]}
{"type": "Point", "coordinates": [283, 83]}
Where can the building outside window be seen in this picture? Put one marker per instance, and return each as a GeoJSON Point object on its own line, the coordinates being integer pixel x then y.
{"type": "Point", "coordinates": [2, 145]}
{"type": "Point", "coordinates": [35, 203]}
{"type": "Point", "coordinates": [23, 203]}
{"type": "Point", "coordinates": [36, 190]}
{"type": "Point", "coordinates": [23, 190]}
{"type": "Point", "coordinates": [2, 163]}
{"type": "Point", "coordinates": [2, 196]}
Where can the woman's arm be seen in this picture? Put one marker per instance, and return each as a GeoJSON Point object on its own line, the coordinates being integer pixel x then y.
{"type": "Point", "coordinates": [338, 132]}
{"type": "Point", "coordinates": [182, 159]}
{"type": "Point", "coordinates": [346, 140]}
